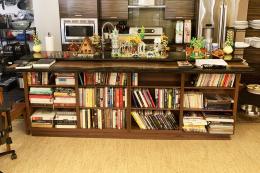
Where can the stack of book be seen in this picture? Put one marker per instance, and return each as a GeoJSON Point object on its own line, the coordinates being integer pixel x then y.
{"type": "Point", "coordinates": [43, 118]}
{"type": "Point", "coordinates": [65, 79]}
{"type": "Point", "coordinates": [219, 123]}
{"type": "Point", "coordinates": [41, 95]}
{"type": "Point", "coordinates": [64, 97]}
{"type": "Point", "coordinates": [99, 78]}
{"type": "Point", "coordinates": [193, 100]}
{"type": "Point", "coordinates": [96, 118]}
{"type": "Point", "coordinates": [103, 97]}
{"type": "Point", "coordinates": [160, 98]}
{"type": "Point", "coordinates": [135, 79]}
{"type": "Point", "coordinates": [217, 101]}
{"type": "Point", "coordinates": [160, 120]}
{"type": "Point", "coordinates": [215, 80]}
{"type": "Point", "coordinates": [38, 78]}
{"type": "Point", "coordinates": [194, 122]}
{"type": "Point", "coordinates": [43, 63]}
{"type": "Point", "coordinates": [65, 119]}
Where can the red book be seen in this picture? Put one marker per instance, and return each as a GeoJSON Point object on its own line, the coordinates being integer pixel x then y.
{"type": "Point", "coordinates": [146, 98]}
{"type": "Point", "coordinates": [38, 96]}
{"type": "Point", "coordinates": [121, 104]}
{"type": "Point", "coordinates": [149, 95]}
{"type": "Point", "coordinates": [117, 97]}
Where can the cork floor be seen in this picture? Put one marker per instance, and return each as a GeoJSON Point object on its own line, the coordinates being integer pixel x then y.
{"type": "Point", "coordinates": [75, 155]}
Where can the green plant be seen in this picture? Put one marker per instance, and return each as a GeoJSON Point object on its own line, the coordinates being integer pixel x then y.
{"type": "Point", "coordinates": [141, 34]}
{"type": "Point", "coordinates": [36, 39]}
{"type": "Point", "coordinates": [197, 43]}
{"type": "Point", "coordinates": [229, 41]}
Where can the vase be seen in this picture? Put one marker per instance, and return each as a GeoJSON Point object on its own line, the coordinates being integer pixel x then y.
{"type": "Point", "coordinates": [37, 48]}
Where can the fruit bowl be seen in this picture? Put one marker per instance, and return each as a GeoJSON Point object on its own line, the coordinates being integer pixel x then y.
{"type": "Point", "coordinates": [21, 24]}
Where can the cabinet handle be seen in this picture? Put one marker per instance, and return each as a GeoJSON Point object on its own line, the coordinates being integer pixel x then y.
{"type": "Point", "coordinates": [78, 15]}
{"type": "Point", "coordinates": [179, 17]}
{"type": "Point", "coordinates": [113, 17]}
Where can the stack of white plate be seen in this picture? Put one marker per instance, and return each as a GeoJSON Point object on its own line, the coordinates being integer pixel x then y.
{"type": "Point", "coordinates": [255, 24]}
{"type": "Point", "coordinates": [241, 24]}
{"type": "Point", "coordinates": [253, 41]}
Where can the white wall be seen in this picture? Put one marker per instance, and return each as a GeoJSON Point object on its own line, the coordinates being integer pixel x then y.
{"type": "Point", "coordinates": [47, 19]}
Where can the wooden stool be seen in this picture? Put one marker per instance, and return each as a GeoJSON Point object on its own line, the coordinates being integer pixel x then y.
{"type": "Point", "coordinates": [5, 130]}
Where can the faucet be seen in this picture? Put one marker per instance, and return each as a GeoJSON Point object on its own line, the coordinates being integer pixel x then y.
{"type": "Point", "coordinates": [103, 38]}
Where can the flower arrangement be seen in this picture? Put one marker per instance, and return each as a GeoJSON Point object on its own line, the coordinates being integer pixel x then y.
{"type": "Point", "coordinates": [134, 40]}
{"type": "Point", "coordinates": [37, 43]}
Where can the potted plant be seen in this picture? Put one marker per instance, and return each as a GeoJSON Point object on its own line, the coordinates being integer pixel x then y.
{"type": "Point", "coordinates": [37, 47]}
{"type": "Point", "coordinates": [198, 48]}
{"type": "Point", "coordinates": [228, 49]}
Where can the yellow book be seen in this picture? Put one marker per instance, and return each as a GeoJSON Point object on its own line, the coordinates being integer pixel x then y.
{"type": "Point", "coordinates": [138, 120]}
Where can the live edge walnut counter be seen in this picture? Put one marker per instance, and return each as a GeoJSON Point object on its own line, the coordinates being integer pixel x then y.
{"type": "Point", "coordinates": [152, 74]}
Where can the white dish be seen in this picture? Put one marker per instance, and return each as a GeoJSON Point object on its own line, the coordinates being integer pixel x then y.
{"type": "Point", "coordinates": [241, 45]}
{"type": "Point", "coordinates": [241, 26]}
{"type": "Point", "coordinates": [255, 43]}
{"type": "Point", "coordinates": [255, 27]}
{"type": "Point", "coordinates": [248, 40]}
{"type": "Point", "coordinates": [241, 22]}
{"type": "Point", "coordinates": [255, 21]}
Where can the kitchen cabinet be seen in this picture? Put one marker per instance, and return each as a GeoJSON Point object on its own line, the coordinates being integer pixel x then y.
{"type": "Point", "coordinates": [180, 9]}
{"type": "Point", "coordinates": [78, 8]}
{"type": "Point", "coordinates": [114, 9]}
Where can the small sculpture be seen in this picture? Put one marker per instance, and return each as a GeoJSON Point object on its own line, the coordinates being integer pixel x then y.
{"type": "Point", "coordinates": [87, 47]}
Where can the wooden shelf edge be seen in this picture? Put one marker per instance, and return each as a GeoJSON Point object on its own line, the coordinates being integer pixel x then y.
{"type": "Point", "coordinates": [133, 134]}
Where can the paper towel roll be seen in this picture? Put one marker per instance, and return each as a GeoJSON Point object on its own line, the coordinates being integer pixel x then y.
{"type": "Point", "coordinates": [49, 42]}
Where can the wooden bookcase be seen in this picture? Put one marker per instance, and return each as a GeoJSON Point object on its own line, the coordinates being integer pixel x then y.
{"type": "Point", "coordinates": [147, 78]}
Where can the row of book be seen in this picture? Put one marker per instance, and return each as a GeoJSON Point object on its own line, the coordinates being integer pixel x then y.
{"type": "Point", "coordinates": [193, 99]}
{"type": "Point", "coordinates": [212, 122]}
{"type": "Point", "coordinates": [156, 98]}
{"type": "Point", "coordinates": [194, 122]}
{"type": "Point", "coordinates": [46, 118]}
{"type": "Point", "coordinates": [102, 119]}
{"type": "Point", "coordinates": [103, 97]}
{"type": "Point", "coordinates": [65, 79]}
{"type": "Point", "coordinates": [215, 80]}
{"type": "Point", "coordinates": [160, 120]}
{"type": "Point", "coordinates": [199, 100]}
{"type": "Point", "coordinates": [45, 78]}
{"type": "Point", "coordinates": [102, 78]}
{"type": "Point", "coordinates": [57, 97]}
{"type": "Point", "coordinates": [38, 78]}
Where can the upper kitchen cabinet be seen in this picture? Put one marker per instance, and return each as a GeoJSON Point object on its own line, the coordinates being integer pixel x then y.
{"type": "Point", "coordinates": [180, 9]}
{"type": "Point", "coordinates": [78, 8]}
{"type": "Point", "coordinates": [114, 9]}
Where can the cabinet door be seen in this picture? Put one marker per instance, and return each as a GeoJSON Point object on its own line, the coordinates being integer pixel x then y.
{"type": "Point", "coordinates": [114, 9]}
{"type": "Point", "coordinates": [176, 9]}
{"type": "Point", "coordinates": [78, 8]}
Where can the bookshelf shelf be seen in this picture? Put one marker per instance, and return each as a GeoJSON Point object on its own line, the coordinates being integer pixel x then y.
{"type": "Point", "coordinates": [53, 86]}
{"type": "Point", "coordinates": [102, 86]}
{"type": "Point", "coordinates": [209, 88]}
{"type": "Point", "coordinates": [52, 106]}
{"type": "Point", "coordinates": [153, 87]}
{"type": "Point", "coordinates": [206, 110]}
{"type": "Point", "coordinates": [157, 78]}
{"type": "Point", "coordinates": [159, 109]}
{"type": "Point", "coordinates": [115, 108]}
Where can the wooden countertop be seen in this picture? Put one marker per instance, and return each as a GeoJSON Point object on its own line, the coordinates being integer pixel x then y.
{"type": "Point", "coordinates": [133, 66]}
